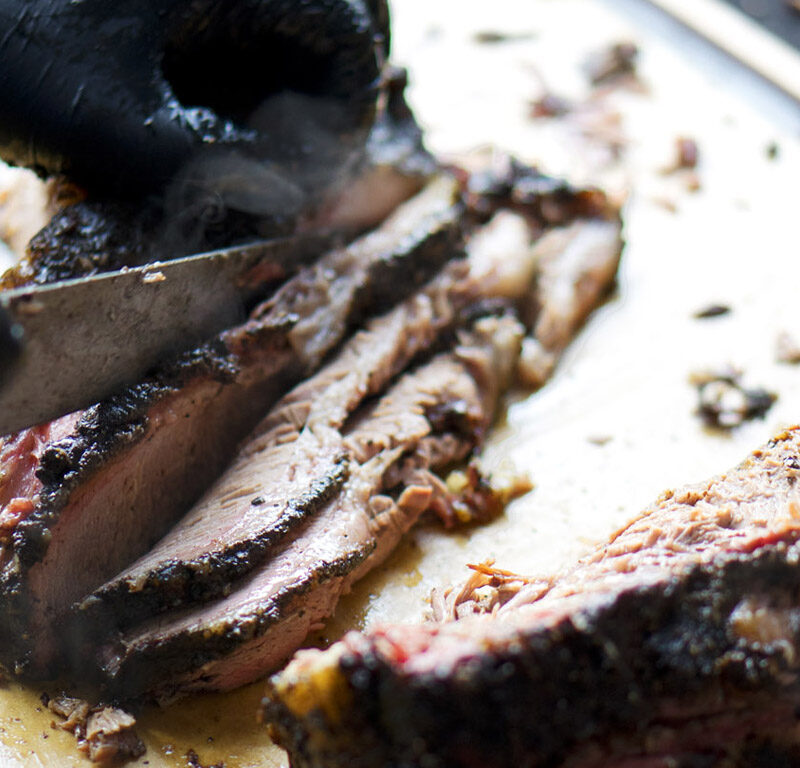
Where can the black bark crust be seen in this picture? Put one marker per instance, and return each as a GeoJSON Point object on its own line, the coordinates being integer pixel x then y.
{"type": "Point", "coordinates": [604, 671]}
{"type": "Point", "coordinates": [542, 199]}
{"type": "Point", "coordinates": [90, 237]}
{"type": "Point", "coordinates": [103, 431]}
{"type": "Point", "coordinates": [157, 668]}
{"type": "Point", "coordinates": [184, 583]}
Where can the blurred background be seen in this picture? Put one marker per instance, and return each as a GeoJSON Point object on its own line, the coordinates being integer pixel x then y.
{"type": "Point", "coordinates": [779, 16]}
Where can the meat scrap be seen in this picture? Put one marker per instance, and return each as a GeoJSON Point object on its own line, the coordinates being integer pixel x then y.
{"type": "Point", "coordinates": [712, 310]}
{"type": "Point", "coordinates": [687, 155]}
{"type": "Point", "coordinates": [544, 200]}
{"type": "Point", "coordinates": [473, 497]}
{"type": "Point", "coordinates": [686, 159]}
{"type": "Point", "coordinates": [493, 37]}
{"type": "Point", "coordinates": [612, 63]}
{"type": "Point", "coordinates": [110, 737]}
{"type": "Point", "coordinates": [787, 350]}
{"type": "Point", "coordinates": [724, 403]}
{"type": "Point", "coordinates": [105, 734]}
{"type": "Point", "coordinates": [677, 642]}
{"type": "Point", "coordinates": [549, 104]}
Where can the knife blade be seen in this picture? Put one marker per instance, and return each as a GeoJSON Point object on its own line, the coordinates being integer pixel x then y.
{"type": "Point", "coordinates": [67, 345]}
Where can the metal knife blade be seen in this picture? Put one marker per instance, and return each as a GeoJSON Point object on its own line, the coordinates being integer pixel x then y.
{"type": "Point", "coordinates": [68, 345]}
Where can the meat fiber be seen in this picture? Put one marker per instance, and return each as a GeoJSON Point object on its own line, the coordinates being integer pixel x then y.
{"type": "Point", "coordinates": [84, 496]}
{"type": "Point", "coordinates": [677, 643]}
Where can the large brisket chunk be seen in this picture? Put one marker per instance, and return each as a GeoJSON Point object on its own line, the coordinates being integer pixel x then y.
{"type": "Point", "coordinates": [676, 643]}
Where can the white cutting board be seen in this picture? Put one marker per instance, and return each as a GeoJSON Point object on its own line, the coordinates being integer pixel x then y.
{"type": "Point", "coordinates": [623, 383]}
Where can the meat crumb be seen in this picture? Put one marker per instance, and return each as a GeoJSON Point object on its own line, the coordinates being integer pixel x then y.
{"type": "Point", "coordinates": [74, 713]}
{"type": "Point", "coordinates": [664, 202]}
{"type": "Point", "coordinates": [535, 364]}
{"type": "Point", "coordinates": [787, 350]}
{"type": "Point", "coordinates": [110, 737]}
{"type": "Point", "coordinates": [692, 182]}
{"type": "Point", "coordinates": [105, 735]}
{"type": "Point", "coordinates": [686, 152]}
{"type": "Point", "coordinates": [153, 277]}
{"type": "Point", "coordinates": [193, 760]}
{"type": "Point", "coordinates": [724, 403]}
{"type": "Point", "coordinates": [493, 37]}
{"type": "Point", "coordinates": [685, 160]}
{"type": "Point", "coordinates": [712, 310]}
{"type": "Point", "coordinates": [549, 105]}
{"type": "Point", "coordinates": [472, 498]}
{"type": "Point", "coordinates": [612, 63]}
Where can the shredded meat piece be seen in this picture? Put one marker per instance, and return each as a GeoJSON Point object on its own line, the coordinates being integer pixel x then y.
{"type": "Point", "coordinates": [723, 401]}
{"type": "Point", "coordinates": [105, 734]}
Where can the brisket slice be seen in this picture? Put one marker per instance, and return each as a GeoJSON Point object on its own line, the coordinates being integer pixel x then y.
{"type": "Point", "coordinates": [388, 449]}
{"type": "Point", "coordinates": [676, 643]}
{"type": "Point", "coordinates": [97, 489]}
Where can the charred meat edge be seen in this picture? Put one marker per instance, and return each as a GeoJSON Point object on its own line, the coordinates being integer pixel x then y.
{"type": "Point", "coordinates": [390, 448]}
{"type": "Point", "coordinates": [688, 615]}
{"type": "Point", "coordinates": [133, 458]}
{"type": "Point", "coordinates": [216, 653]}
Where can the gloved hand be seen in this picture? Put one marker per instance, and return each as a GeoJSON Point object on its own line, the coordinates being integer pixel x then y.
{"type": "Point", "coordinates": [120, 95]}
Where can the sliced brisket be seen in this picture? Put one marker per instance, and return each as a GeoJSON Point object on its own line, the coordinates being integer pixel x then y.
{"type": "Point", "coordinates": [385, 455]}
{"type": "Point", "coordinates": [92, 491]}
{"type": "Point", "coordinates": [287, 469]}
{"type": "Point", "coordinates": [292, 463]}
{"type": "Point", "coordinates": [302, 481]}
{"type": "Point", "coordinates": [677, 643]}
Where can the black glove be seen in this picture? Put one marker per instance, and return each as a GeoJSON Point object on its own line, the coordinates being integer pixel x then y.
{"type": "Point", "coordinates": [120, 95]}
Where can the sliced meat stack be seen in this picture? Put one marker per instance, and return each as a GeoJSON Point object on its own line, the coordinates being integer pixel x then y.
{"type": "Point", "coordinates": [205, 583]}
{"type": "Point", "coordinates": [677, 643]}
{"type": "Point", "coordinates": [361, 489]}
{"type": "Point", "coordinates": [123, 471]}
